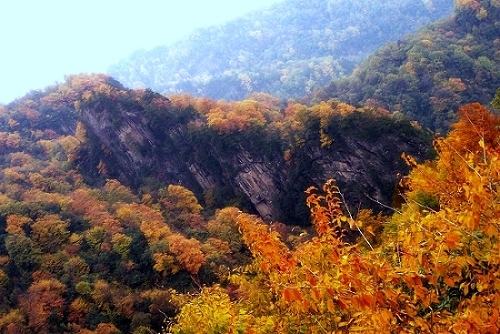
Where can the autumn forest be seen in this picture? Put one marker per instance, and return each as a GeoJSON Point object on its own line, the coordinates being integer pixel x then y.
{"type": "Point", "coordinates": [370, 205]}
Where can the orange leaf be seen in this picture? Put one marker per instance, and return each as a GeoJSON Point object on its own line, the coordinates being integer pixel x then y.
{"type": "Point", "coordinates": [316, 295]}
{"type": "Point", "coordinates": [314, 306]}
{"type": "Point", "coordinates": [367, 300]}
{"type": "Point", "coordinates": [287, 295]}
{"type": "Point", "coordinates": [448, 281]}
{"type": "Point", "coordinates": [494, 316]}
{"type": "Point", "coordinates": [305, 305]}
{"type": "Point", "coordinates": [311, 279]}
{"type": "Point", "coordinates": [341, 304]}
{"type": "Point", "coordinates": [452, 239]}
{"type": "Point", "coordinates": [331, 306]}
{"type": "Point", "coordinates": [296, 294]}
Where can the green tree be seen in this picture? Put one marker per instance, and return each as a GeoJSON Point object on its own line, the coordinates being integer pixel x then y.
{"type": "Point", "coordinates": [23, 252]}
{"type": "Point", "coordinates": [496, 101]}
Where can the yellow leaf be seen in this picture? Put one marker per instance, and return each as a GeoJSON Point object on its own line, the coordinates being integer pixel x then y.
{"type": "Point", "coordinates": [480, 286]}
{"type": "Point", "coordinates": [465, 288]}
{"type": "Point", "coordinates": [343, 324]}
{"type": "Point", "coordinates": [357, 314]}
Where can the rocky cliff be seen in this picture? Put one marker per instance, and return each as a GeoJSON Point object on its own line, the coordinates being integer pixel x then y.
{"type": "Point", "coordinates": [248, 168]}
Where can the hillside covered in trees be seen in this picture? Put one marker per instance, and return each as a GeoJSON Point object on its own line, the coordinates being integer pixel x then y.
{"type": "Point", "coordinates": [433, 269]}
{"type": "Point", "coordinates": [126, 211]}
{"type": "Point", "coordinates": [428, 75]}
{"type": "Point", "coordinates": [89, 243]}
{"type": "Point", "coordinates": [288, 50]}
{"type": "Point", "coordinates": [99, 229]}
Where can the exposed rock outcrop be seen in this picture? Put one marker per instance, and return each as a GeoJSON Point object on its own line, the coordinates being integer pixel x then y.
{"type": "Point", "coordinates": [365, 167]}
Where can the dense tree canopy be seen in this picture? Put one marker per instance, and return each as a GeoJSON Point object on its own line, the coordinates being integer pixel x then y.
{"type": "Point", "coordinates": [85, 248]}
{"type": "Point", "coordinates": [82, 252]}
{"type": "Point", "coordinates": [428, 75]}
{"type": "Point", "coordinates": [286, 50]}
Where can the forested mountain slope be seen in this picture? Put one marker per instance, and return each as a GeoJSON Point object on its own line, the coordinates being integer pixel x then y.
{"type": "Point", "coordinates": [256, 153]}
{"type": "Point", "coordinates": [126, 211]}
{"type": "Point", "coordinates": [117, 205]}
{"type": "Point", "coordinates": [434, 269]}
{"type": "Point", "coordinates": [287, 50]}
{"type": "Point", "coordinates": [82, 252]}
{"type": "Point", "coordinates": [426, 76]}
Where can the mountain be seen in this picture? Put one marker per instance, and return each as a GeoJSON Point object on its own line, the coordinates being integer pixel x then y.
{"type": "Point", "coordinates": [100, 232]}
{"type": "Point", "coordinates": [287, 50]}
{"type": "Point", "coordinates": [428, 75]}
{"type": "Point", "coordinates": [126, 211]}
{"type": "Point", "coordinates": [117, 204]}
{"type": "Point", "coordinates": [256, 153]}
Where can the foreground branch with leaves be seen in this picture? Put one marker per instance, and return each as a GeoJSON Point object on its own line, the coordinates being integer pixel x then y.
{"type": "Point", "coordinates": [435, 268]}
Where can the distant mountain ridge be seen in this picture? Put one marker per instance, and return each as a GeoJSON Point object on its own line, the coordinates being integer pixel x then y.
{"type": "Point", "coordinates": [428, 75]}
{"type": "Point", "coordinates": [287, 50]}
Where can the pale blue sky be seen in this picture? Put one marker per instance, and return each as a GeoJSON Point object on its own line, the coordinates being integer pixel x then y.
{"type": "Point", "coordinates": [43, 40]}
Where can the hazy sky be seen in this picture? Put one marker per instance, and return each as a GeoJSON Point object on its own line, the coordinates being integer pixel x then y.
{"type": "Point", "coordinates": [43, 40]}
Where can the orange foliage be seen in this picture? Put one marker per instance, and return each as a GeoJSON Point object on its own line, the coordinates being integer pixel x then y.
{"type": "Point", "coordinates": [32, 115]}
{"type": "Point", "coordinates": [96, 211]}
{"type": "Point", "coordinates": [43, 300]}
{"type": "Point", "coordinates": [187, 252]}
{"type": "Point", "coordinates": [15, 224]}
{"type": "Point", "coordinates": [435, 271]}
{"type": "Point", "coordinates": [203, 105]}
{"type": "Point", "coordinates": [270, 252]}
{"type": "Point", "coordinates": [155, 229]}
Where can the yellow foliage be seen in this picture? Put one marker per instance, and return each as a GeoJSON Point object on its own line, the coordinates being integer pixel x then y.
{"type": "Point", "coordinates": [50, 232]}
{"type": "Point", "coordinates": [165, 263]}
{"type": "Point", "coordinates": [212, 312]}
{"type": "Point", "coordinates": [71, 146]}
{"type": "Point", "coordinates": [15, 224]}
{"type": "Point", "coordinates": [12, 175]}
{"type": "Point", "coordinates": [181, 199]}
{"type": "Point", "coordinates": [116, 192]}
{"type": "Point", "coordinates": [236, 116]}
{"type": "Point", "coordinates": [436, 269]}
{"type": "Point", "coordinates": [121, 244]}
